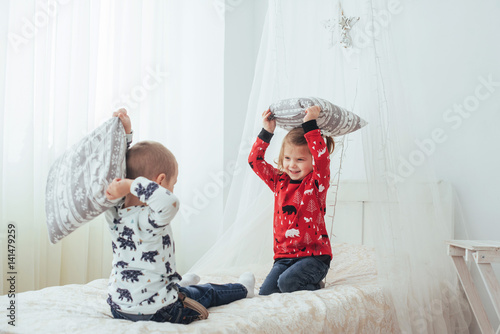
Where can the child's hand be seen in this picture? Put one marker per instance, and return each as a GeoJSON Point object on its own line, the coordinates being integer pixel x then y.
{"type": "Point", "coordinates": [118, 189]}
{"type": "Point", "coordinates": [127, 124]}
{"type": "Point", "coordinates": [312, 113]}
{"type": "Point", "coordinates": [269, 125]}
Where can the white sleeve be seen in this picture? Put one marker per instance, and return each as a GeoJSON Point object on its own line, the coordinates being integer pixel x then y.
{"type": "Point", "coordinates": [163, 205]}
{"type": "Point", "coordinates": [129, 136]}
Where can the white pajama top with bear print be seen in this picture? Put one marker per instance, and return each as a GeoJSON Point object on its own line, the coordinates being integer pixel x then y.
{"type": "Point", "coordinates": [144, 273]}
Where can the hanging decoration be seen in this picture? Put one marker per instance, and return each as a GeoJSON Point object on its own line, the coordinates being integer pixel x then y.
{"type": "Point", "coordinates": [342, 27]}
{"type": "Point", "coordinates": [346, 24]}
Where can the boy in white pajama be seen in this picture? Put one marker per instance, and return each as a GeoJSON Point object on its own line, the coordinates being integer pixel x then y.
{"type": "Point", "coordinates": [144, 283]}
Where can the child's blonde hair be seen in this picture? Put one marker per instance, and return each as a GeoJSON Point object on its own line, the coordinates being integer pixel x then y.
{"type": "Point", "coordinates": [149, 159]}
{"type": "Point", "coordinates": [296, 137]}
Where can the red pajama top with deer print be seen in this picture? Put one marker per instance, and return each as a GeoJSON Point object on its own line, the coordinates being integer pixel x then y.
{"type": "Point", "coordinates": [299, 206]}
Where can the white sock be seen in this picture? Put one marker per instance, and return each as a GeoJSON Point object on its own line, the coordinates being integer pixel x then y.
{"type": "Point", "coordinates": [248, 281]}
{"type": "Point", "coordinates": [189, 279]}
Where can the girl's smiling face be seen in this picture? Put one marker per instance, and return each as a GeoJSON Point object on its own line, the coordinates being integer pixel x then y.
{"type": "Point", "coordinates": [297, 161]}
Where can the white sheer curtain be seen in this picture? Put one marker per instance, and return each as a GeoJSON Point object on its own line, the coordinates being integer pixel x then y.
{"type": "Point", "coordinates": [65, 66]}
{"type": "Point", "coordinates": [412, 213]}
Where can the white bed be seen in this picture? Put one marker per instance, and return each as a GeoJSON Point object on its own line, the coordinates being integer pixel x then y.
{"type": "Point", "coordinates": [351, 302]}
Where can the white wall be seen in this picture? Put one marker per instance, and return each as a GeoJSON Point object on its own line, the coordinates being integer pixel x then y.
{"type": "Point", "coordinates": [444, 48]}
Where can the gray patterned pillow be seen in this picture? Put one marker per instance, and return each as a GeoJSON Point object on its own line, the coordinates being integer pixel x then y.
{"type": "Point", "coordinates": [333, 120]}
{"type": "Point", "coordinates": [77, 181]}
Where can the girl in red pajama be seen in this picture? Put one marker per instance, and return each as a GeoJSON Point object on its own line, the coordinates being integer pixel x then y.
{"type": "Point", "coordinates": [302, 249]}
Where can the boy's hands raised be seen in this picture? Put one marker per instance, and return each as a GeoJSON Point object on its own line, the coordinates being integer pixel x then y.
{"type": "Point", "coordinates": [118, 188]}
{"type": "Point", "coordinates": [312, 113]}
{"type": "Point", "coordinates": [269, 125]}
{"type": "Point", "coordinates": [122, 115]}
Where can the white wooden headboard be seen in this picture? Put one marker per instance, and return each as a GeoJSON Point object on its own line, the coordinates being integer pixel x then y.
{"type": "Point", "coordinates": [356, 209]}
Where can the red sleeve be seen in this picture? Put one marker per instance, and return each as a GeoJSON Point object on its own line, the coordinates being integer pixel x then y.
{"type": "Point", "coordinates": [264, 170]}
{"type": "Point", "coordinates": [321, 157]}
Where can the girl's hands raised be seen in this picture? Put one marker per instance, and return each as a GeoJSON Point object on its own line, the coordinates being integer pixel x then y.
{"type": "Point", "coordinates": [312, 113]}
{"type": "Point", "coordinates": [269, 125]}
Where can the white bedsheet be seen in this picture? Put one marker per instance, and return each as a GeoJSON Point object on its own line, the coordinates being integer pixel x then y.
{"type": "Point", "coordinates": [351, 302]}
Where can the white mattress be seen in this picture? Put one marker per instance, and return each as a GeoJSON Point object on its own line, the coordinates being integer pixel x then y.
{"type": "Point", "coordinates": [351, 302]}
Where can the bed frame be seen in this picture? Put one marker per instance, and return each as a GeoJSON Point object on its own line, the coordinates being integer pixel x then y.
{"type": "Point", "coordinates": [355, 211]}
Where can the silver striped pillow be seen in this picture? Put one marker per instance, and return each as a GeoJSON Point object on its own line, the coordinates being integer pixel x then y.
{"type": "Point", "coordinates": [77, 180]}
{"type": "Point", "coordinates": [333, 120]}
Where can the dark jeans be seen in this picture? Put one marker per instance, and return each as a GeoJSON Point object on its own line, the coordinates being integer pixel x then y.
{"type": "Point", "coordinates": [206, 294]}
{"type": "Point", "coordinates": [289, 275]}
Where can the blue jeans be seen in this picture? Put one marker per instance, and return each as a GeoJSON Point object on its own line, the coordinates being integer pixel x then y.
{"type": "Point", "coordinates": [206, 294]}
{"type": "Point", "coordinates": [289, 275]}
